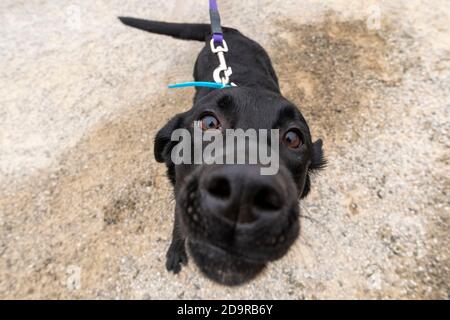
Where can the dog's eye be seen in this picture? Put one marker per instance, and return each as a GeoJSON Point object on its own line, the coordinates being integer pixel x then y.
{"type": "Point", "coordinates": [209, 122]}
{"type": "Point", "coordinates": [292, 139]}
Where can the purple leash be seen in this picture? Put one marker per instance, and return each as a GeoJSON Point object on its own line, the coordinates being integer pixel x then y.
{"type": "Point", "coordinates": [216, 27]}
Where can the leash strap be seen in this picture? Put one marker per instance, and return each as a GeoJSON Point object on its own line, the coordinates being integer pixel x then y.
{"type": "Point", "coordinates": [216, 26]}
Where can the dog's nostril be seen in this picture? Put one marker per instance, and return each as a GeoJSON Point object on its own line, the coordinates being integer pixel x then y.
{"type": "Point", "coordinates": [219, 187]}
{"type": "Point", "coordinates": [268, 199]}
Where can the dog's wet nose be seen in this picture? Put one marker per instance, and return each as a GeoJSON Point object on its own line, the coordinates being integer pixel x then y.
{"type": "Point", "coordinates": [241, 194]}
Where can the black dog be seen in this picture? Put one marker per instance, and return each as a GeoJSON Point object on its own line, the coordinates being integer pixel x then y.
{"type": "Point", "coordinates": [233, 219]}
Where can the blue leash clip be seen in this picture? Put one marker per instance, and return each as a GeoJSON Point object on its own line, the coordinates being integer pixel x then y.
{"type": "Point", "coordinates": [213, 85]}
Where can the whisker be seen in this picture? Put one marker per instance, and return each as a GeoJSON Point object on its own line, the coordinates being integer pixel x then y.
{"type": "Point", "coordinates": [307, 246]}
{"type": "Point", "coordinates": [310, 218]}
{"type": "Point", "coordinates": [324, 227]}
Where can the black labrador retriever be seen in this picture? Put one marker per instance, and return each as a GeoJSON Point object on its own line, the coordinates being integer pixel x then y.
{"type": "Point", "coordinates": [233, 219]}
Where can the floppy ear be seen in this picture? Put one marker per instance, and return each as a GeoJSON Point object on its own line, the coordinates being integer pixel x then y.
{"type": "Point", "coordinates": [163, 143]}
{"type": "Point", "coordinates": [317, 157]}
{"type": "Point", "coordinates": [318, 162]}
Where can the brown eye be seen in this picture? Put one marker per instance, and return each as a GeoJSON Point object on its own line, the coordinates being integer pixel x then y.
{"type": "Point", "coordinates": [292, 139]}
{"type": "Point", "coordinates": [209, 122]}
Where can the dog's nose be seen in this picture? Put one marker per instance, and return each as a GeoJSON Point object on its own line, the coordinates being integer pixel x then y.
{"type": "Point", "coordinates": [241, 194]}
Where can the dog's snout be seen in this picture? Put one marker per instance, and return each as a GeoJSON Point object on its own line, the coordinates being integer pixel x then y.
{"type": "Point", "coordinates": [267, 198]}
{"type": "Point", "coordinates": [219, 187]}
{"type": "Point", "coordinates": [241, 194]}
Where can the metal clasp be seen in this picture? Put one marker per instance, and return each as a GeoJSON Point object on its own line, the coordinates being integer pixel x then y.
{"type": "Point", "coordinates": [223, 48]}
{"type": "Point", "coordinates": [222, 68]}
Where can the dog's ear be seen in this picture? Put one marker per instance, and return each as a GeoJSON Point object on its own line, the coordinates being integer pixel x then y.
{"type": "Point", "coordinates": [163, 143]}
{"type": "Point", "coordinates": [318, 162]}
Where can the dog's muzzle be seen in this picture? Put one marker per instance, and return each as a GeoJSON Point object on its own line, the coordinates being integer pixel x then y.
{"type": "Point", "coordinates": [237, 220]}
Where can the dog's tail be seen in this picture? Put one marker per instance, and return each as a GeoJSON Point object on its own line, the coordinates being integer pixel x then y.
{"type": "Point", "coordinates": [185, 31]}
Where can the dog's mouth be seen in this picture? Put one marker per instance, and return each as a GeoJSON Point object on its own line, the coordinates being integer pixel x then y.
{"type": "Point", "coordinates": [222, 266]}
{"type": "Point", "coordinates": [228, 252]}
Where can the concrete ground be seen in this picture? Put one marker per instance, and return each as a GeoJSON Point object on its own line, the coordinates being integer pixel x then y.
{"type": "Point", "coordinates": [86, 212]}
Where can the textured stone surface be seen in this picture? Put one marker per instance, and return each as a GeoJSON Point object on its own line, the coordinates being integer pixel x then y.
{"type": "Point", "coordinates": [82, 97]}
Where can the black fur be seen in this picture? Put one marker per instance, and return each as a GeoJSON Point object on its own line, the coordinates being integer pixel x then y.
{"type": "Point", "coordinates": [228, 243]}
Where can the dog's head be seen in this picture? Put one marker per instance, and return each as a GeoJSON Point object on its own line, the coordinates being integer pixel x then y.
{"type": "Point", "coordinates": [237, 220]}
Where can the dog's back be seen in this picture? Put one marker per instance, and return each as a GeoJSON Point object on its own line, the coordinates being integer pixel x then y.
{"type": "Point", "coordinates": [249, 61]}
